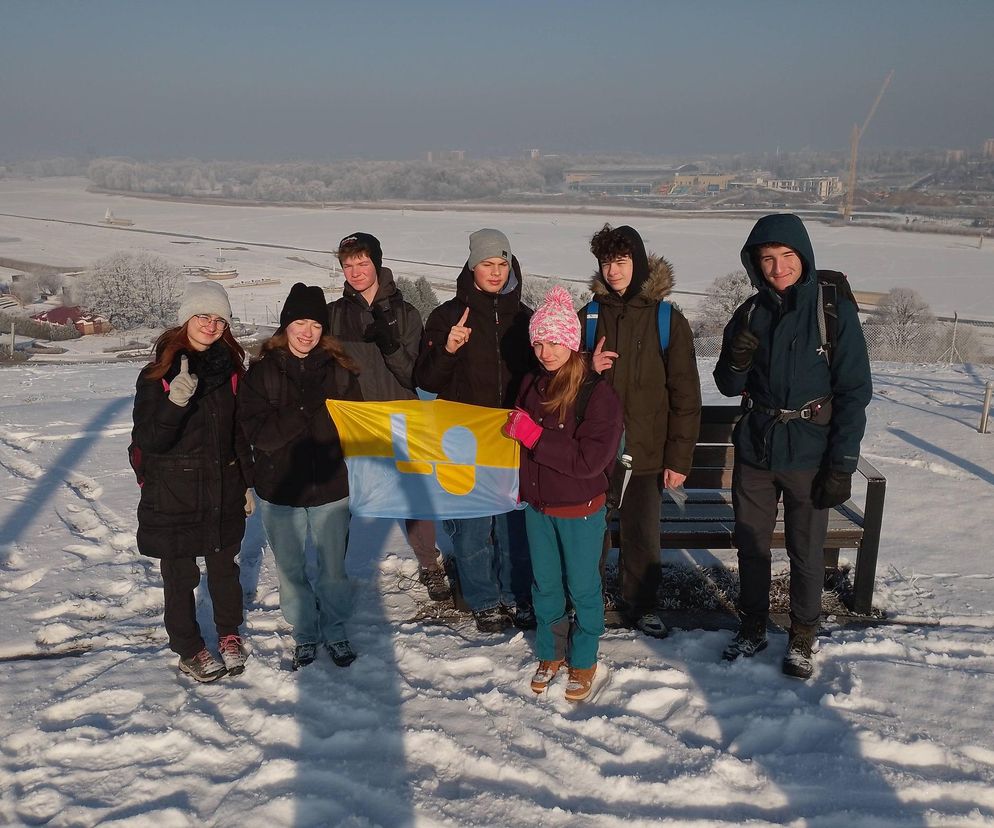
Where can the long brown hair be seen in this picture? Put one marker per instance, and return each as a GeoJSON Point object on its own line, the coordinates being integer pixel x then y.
{"type": "Point", "coordinates": [174, 340]}
{"type": "Point", "coordinates": [327, 342]}
{"type": "Point", "coordinates": [564, 387]}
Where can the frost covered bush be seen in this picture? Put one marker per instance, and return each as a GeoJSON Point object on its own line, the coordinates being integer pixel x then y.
{"type": "Point", "coordinates": [134, 290]}
{"type": "Point", "coordinates": [419, 293]}
{"type": "Point", "coordinates": [722, 297]}
{"type": "Point", "coordinates": [39, 330]}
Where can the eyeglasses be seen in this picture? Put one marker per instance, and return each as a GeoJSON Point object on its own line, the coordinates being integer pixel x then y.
{"type": "Point", "coordinates": [205, 320]}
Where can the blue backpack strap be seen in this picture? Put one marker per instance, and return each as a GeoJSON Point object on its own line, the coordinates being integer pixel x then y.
{"type": "Point", "coordinates": [663, 323]}
{"type": "Point", "coordinates": [590, 325]}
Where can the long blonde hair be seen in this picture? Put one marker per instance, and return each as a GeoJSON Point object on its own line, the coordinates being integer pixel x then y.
{"type": "Point", "coordinates": [564, 387]}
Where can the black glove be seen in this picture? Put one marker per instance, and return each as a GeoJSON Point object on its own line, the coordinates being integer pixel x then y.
{"type": "Point", "coordinates": [831, 488]}
{"type": "Point", "coordinates": [382, 330]}
{"type": "Point", "coordinates": [744, 345]}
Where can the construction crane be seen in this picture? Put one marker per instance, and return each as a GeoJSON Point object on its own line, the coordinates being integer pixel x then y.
{"type": "Point", "coordinates": [857, 133]}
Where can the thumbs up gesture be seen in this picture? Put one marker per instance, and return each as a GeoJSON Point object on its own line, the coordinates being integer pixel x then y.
{"type": "Point", "coordinates": [183, 384]}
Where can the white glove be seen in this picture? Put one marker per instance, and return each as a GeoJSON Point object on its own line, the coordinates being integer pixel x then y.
{"type": "Point", "coordinates": [183, 385]}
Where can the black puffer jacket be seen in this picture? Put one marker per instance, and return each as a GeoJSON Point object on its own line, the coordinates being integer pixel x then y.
{"type": "Point", "coordinates": [298, 455]}
{"type": "Point", "coordinates": [197, 464]}
{"type": "Point", "coordinates": [661, 395]}
{"type": "Point", "coordinates": [489, 368]}
{"type": "Point", "coordinates": [389, 377]}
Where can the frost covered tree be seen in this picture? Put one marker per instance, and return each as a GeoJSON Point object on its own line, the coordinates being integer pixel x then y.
{"type": "Point", "coordinates": [904, 328]}
{"type": "Point", "coordinates": [134, 290]}
{"type": "Point", "coordinates": [723, 296]}
{"type": "Point", "coordinates": [419, 293]}
{"type": "Point", "coordinates": [25, 288]}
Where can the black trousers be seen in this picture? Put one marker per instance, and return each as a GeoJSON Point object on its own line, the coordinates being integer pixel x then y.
{"type": "Point", "coordinates": [638, 552]}
{"type": "Point", "coordinates": [755, 495]}
{"type": "Point", "coordinates": [180, 577]}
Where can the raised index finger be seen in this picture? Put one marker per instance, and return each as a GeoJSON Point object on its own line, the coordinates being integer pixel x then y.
{"type": "Point", "coordinates": [600, 345]}
{"type": "Point", "coordinates": [463, 318]}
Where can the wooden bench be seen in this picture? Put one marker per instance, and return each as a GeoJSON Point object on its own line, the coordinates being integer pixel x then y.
{"type": "Point", "coordinates": [708, 521]}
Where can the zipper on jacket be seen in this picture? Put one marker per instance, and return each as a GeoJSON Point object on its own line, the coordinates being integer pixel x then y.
{"type": "Point", "coordinates": [500, 394]}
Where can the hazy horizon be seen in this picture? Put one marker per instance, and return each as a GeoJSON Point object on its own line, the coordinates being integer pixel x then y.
{"type": "Point", "coordinates": [325, 81]}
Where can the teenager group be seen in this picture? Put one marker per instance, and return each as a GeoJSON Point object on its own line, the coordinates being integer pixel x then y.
{"type": "Point", "coordinates": [576, 385]}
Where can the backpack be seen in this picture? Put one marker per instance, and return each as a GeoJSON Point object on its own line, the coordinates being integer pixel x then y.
{"type": "Point", "coordinates": [831, 283]}
{"type": "Point", "coordinates": [135, 458]}
{"type": "Point", "coordinates": [592, 313]}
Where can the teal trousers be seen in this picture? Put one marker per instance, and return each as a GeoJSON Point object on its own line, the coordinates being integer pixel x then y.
{"type": "Point", "coordinates": [565, 555]}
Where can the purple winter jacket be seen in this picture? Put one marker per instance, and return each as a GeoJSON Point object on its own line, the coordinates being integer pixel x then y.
{"type": "Point", "coordinates": [570, 464]}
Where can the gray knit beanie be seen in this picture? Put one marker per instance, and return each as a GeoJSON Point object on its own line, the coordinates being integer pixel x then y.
{"type": "Point", "coordinates": [204, 297]}
{"type": "Point", "coordinates": [488, 244]}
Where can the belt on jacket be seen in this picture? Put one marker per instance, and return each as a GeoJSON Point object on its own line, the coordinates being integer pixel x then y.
{"type": "Point", "coordinates": [806, 412]}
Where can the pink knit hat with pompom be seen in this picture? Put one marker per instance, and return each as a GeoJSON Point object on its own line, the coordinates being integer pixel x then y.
{"type": "Point", "coordinates": [556, 320]}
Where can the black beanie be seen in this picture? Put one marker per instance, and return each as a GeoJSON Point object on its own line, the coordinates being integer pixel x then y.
{"type": "Point", "coordinates": [305, 302]}
{"type": "Point", "coordinates": [364, 241]}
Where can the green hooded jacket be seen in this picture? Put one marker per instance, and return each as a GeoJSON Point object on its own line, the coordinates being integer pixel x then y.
{"type": "Point", "coordinates": [789, 370]}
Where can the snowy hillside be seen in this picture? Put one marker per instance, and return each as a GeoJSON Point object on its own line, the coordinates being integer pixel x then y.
{"type": "Point", "coordinates": [435, 724]}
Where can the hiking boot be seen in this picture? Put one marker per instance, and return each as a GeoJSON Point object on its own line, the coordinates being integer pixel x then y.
{"type": "Point", "coordinates": [304, 654]}
{"type": "Point", "coordinates": [233, 654]}
{"type": "Point", "coordinates": [652, 625]}
{"type": "Point", "coordinates": [799, 660]}
{"type": "Point", "coordinates": [545, 673]}
{"type": "Point", "coordinates": [749, 640]}
{"type": "Point", "coordinates": [493, 620]}
{"type": "Point", "coordinates": [521, 616]}
{"type": "Point", "coordinates": [341, 652]}
{"type": "Point", "coordinates": [580, 682]}
{"type": "Point", "coordinates": [203, 666]}
{"type": "Point", "coordinates": [434, 580]}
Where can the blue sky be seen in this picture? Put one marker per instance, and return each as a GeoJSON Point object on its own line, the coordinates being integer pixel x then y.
{"type": "Point", "coordinates": [325, 80]}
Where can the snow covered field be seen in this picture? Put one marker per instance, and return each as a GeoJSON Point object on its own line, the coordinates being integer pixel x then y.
{"type": "Point", "coordinates": [293, 244]}
{"type": "Point", "coordinates": [435, 725]}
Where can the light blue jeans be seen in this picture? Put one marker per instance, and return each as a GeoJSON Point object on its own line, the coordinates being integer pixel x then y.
{"type": "Point", "coordinates": [316, 610]}
{"type": "Point", "coordinates": [491, 555]}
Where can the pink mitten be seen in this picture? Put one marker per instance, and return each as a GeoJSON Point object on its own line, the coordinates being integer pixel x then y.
{"type": "Point", "coordinates": [521, 427]}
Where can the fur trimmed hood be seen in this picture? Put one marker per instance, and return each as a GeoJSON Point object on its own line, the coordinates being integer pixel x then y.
{"type": "Point", "coordinates": [656, 287]}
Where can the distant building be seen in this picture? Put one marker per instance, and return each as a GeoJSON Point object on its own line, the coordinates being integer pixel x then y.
{"type": "Point", "coordinates": [697, 182]}
{"type": "Point", "coordinates": [445, 155]}
{"type": "Point", "coordinates": [989, 148]}
{"type": "Point", "coordinates": [823, 186]}
{"type": "Point", "coordinates": [955, 156]}
{"type": "Point", "coordinates": [534, 154]}
{"type": "Point", "coordinates": [85, 323]}
{"type": "Point", "coordinates": [617, 179]}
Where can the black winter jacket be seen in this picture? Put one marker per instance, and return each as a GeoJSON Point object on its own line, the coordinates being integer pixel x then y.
{"type": "Point", "coordinates": [298, 454]}
{"type": "Point", "coordinates": [197, 464]}
{"type": "Point", "coordinates": [389, 377]}
{"type": "Point", "coordinates": [489, 368]}
{"type": "Point", "coordinates": [788, 369]}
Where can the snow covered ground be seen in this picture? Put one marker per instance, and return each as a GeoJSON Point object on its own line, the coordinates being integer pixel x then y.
{"type": "Point", "coordinates": [436, 725]}
{"type": "Point", "coordinates": [55, 221]}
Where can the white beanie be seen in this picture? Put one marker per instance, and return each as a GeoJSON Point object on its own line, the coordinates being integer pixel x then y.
{"type": "Point", "coordinates": [204, 297]}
